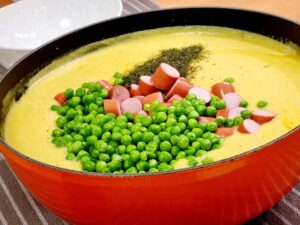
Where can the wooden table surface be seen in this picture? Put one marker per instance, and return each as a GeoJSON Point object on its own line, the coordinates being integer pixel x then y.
{"type": "Point", "coordinates": [285, 8]}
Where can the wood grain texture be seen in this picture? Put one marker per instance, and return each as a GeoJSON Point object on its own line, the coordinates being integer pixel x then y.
{"type": "Point", "coordinates": [285, 8]}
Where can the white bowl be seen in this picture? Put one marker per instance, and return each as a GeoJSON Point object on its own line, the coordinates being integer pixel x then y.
{"type": "Point", "coordinates": [28, 24]}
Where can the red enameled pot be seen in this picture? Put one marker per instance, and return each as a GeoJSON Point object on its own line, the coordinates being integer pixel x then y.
{"type": "Point", "coordinates": [231, 191]}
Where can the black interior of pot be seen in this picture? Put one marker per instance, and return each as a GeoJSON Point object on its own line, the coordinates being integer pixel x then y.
{"type": "Point", "coordinates": [268, 25]}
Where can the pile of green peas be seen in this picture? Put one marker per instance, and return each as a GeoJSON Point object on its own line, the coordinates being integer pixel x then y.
{"type": "Point", "coordinates": [129, 143]}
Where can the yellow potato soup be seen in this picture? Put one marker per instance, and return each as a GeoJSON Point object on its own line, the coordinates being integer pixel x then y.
{"type": "Point", "coordinates": [263, 69]}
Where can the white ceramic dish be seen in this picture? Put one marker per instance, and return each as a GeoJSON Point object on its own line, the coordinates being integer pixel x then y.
{"type": "Point", "coordinates": [28, 24]}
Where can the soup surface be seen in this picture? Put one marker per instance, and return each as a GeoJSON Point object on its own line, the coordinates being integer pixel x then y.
{"type": "Point", "coordinates": [263, 69]}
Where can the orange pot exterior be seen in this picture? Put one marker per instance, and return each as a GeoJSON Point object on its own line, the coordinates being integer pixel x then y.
{"type": "Point", "coordinates": [229, 192]}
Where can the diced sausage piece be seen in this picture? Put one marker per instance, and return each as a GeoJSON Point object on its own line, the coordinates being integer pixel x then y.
{"type": "Point", "coordinates": [222, 88]}
{"type": "Point", "coordinates": [232, 100]}
{"type": "Point", "coordinates": [262, 116]}
{"type": "Point", "coordinates": [119, 93]}
{"type": "Point", "coordinates": [140, 98]}
{"type": "Point", "coordinates": [152, 97]}
{"type": "Point", "coordinates": [201, 93]}
{"type": "Point", "coordinates": [134, 90]}
{"type": "Point", "coordinates": [143, 113]}
{"type": "Point", "coordinates": [223, 113]}
{"type": "Point", "coordinates": [234, 112]}
{"type": "Point", "coordinates": [173, 98]}
{"type": "Point", "coordinates": [132, 105]}
{"type": "Point", "coordinates": [224, 131]}
{"type": "Point", "coordinates": [248, 126]}
{"type": "Point", "coordinates": [61, 98]}
{"type": "Point", "coordinates": [206, 119]}
{"type": "Point", "coordinates": [165, 76]}
{"type": "Point", "coordinates": [112, 106]}
{"type": "Point", "coordinates": [146, 85]}
{"type": "Point", "coordinates": [181, 87]}
{"type": "Point", "coordinates": [105, 84]}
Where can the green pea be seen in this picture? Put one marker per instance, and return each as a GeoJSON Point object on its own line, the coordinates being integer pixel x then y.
{"type": "Point", "coordinates": [101, 146]}
{"type": "Point", "coordinates": [89, 166]}
{"type": "Point", "coordinates": [148, 136]}
{"type": "Point", "coordinates": [201, 109]}
{"type": "Point", "coordinates": [91, 140]}
{"type": "Point", "coordinates": [141, 146]}
{"type": "Point", "coordinates": [207, 160]}
{"type": "Point", "coordinates": [125, 132]}
{"type": "Point", "coordinates": [188, 109]}
{"type": "Point", "coordinates": [121, 149]}
{"type": "Point", "coordinates": [146, 107]}
{"type": "Point", "coordinates": [62, 110]}
{"type": "Point", "coordinates": [142, 166]}
{"type": "Point", "coordinates": [200, 153]}
{"type": "Point", "coordinates": [262, 104]}
{"type": "Point", "coordinates": [127, 163]}
{"type": "Point", "coordinates": [183, 119]}
{"type": "Point", "coordinates": [131, 170]}
{"type": "Point", "coordinates": [165, 146]}
{"type": "Point", "coordinates": [155, 129]}
{"type": "Point", "coordinates": [164, 167]}
{"type": "Point", "coordinates": [220, 120]}
{"type": "Point", "coordinates": [114, 165]}
{"type": "Point", "coordinates": [190, 151]}
{"type": "Point", "coordinates": [192, 161]}
{"type": "Point", "coordinates": [183, 142]}
{"type": "Point", "coordinates": [70, 156]}
{"type": "Point", "coordinates": [151, 147]}
{"type": "Point", "coordinates": [192, 123]}
{"type": "Point", "coordinates": [205, 144]}
{"type": "Point", "coordinates": [118, 81]}
{"type": "Point", "coordinates": [220, 104]}
{"type": "Point", "coordinates": [164, 136]}
{"type": "Point", "coordinates": [104, 93]}
{"type": "Point", "coordinates": [54, 108]}
{"type": "Point", "coordinates": [175, 130]}
{"type": "Point", "coordinates": [146, 121]}
{"type": "Point", "coordinates": [171, 122]}
{"type": "Point", "coordinates": [129, 116]}
{"type": "Point", "coordinates": [134, 156]}
{"type": "Point", "coordinates": [191, 136]}
{"type": "Point", "coordinates": [229, 80]}
{"type": "Point", "coordinates": [137, 137]}
{"type": "Point", "coordinates": [130, 148]}
{"type": "Point", "coordinates": [190, 97]}
{"type": "Point", "coordinates": [228, 123]}
{"type": "Point", "coordinates": [196, 145]}
{"type": "Point", "coordinates": [143, 156]}
{"type": "Point", "coordinates": [243, 104]}
{"type": "Point", "coordinates": [57, 133]}
{"type": "Point", "coordinates": [74, 101]}
{"type": "Point", "coordinates": [85, 158]}
{"type": "Point", "coordinates": [76, 146]}
{"type": "Point", "coordinates": [181, 155]}
{"type": "Point", "coordinates": [202, 126]}
{"type": "Point", "coordinates": [174, 139]}
{"type": "Point", "coordinates": [193, 115]}
{"type": "Point", "coordinates": [162, 117]}
{"type": "Point", "coordinates": [246, 114]}
{"type": "Point", "coordinates": [69, 93]}
{"type": "Point", "coordinates": [61, 121]}
{"type": "Point", "coordinates": [126, 140]}
{"type": "Point", "coordinates": [211, 126]}
{"type": "Point", "coordinates": [153, 163]}
{"type": "Point", "coordinates": [106, 136]}
{"type": "Point", "coordinates": [211, 111]}
{"type": "Point", "coordinates": [197, 131]}
{"type": "Point", "coordinates": [153, 170]}
{"type": "Point", "coordinates": [104, 157]}
{"type": "Point", "coordinates": [237, 121]}
{"type": "Point", "coordinates": [94, 153]}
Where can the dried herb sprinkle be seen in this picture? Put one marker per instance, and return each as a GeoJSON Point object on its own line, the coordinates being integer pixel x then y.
{"type": "Point", "coordinates": [180, 58]}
